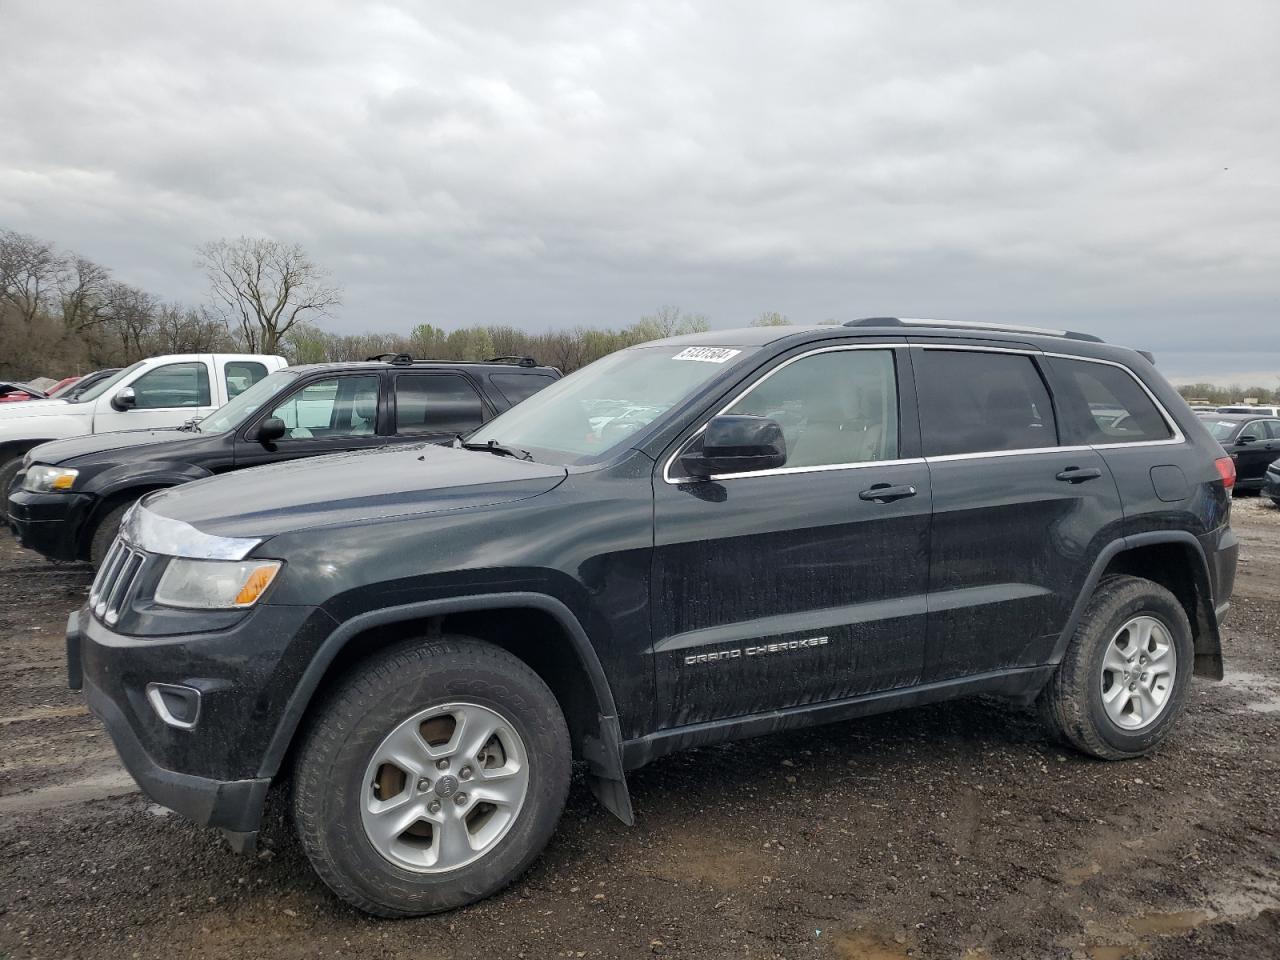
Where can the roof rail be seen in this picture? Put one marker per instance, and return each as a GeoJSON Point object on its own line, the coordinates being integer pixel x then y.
{"type": "Point", "coordinates": [518, 361]}
{"type": "Point", "coordinates": [399, 359]}
{"type": "Point", "coordinates": [967, 325]}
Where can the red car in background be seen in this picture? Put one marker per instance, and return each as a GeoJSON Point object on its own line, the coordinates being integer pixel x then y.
{"type": "Point", "coordinates": [11, 392]}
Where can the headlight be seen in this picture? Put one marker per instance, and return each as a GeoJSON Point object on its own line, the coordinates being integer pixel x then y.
{"type": "Point", "coordinates": [43, 479]}
{"type": "Point", "coordinates": [215, 584]}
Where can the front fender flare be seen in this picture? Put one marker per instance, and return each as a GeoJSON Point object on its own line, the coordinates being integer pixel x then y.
{"type": "Point", "coordinates": [603, 750]}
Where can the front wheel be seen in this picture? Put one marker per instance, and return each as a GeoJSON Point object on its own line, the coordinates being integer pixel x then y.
{"type": "Point", "coordinates": [8, 470]}
{"type": "Point", "coordinates": [432, 778]}
{"type": "Point", "coordinates": [1122, 683]}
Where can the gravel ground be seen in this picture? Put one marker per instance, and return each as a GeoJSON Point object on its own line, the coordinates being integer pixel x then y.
{"type": "Point", "coordinates": [952, 831]}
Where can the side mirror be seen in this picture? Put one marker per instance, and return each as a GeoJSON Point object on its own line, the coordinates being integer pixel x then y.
{"type": "Point", "coordinates": [737, 444]}
{"type": "Point", "coordinates": [124, 399]}
{"type": "Point", "coordinates": [271, 430]}
{"type": "Point", "coordinates": [1247, 438]}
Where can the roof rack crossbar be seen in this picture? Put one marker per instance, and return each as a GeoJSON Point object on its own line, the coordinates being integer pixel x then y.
{"type": "Point", "coordinates": [967, 325]}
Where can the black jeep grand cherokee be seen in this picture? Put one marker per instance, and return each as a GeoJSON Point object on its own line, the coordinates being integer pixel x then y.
{"type": "Point", "coordinates": [700, 539]}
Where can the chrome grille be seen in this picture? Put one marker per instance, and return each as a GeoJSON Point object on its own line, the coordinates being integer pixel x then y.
{"type": "Point", "coordinates": [113, 587]}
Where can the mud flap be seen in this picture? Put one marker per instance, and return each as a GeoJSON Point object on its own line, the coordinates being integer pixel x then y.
{"type": "Point", "coordinates": [607, 779]}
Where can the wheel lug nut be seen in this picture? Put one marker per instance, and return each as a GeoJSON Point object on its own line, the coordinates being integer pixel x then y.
{"type": "Point", "coordinates": [1133, 686]}
{"type": "Point", "coordinates": [434, 806]}
{"type": "Point", "coordinates": [442, 764]}
{"type": "Point", "coordinates": [460, 799]}
{"type": "Point", "coordinates": [465, 773]}
{"type": "Point", "coordinates": [424, 784]}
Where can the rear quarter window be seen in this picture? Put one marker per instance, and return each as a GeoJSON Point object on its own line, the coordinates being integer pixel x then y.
{"type": "Point", "coordinates": [520, 386]}
{"type": "Point", "coordinates": [1105, 404]}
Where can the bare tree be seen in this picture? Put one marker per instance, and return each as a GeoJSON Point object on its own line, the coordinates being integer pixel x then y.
{"type": "Point", "coordinates": [84, 290]}
{"type": "Point", "coordinates": [265, 287]}
{"type": "Point", "coordinates": [29, 270]}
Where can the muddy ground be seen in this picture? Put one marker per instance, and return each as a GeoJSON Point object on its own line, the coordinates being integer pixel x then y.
{"type": "Point", "coordinates": [941, 832]}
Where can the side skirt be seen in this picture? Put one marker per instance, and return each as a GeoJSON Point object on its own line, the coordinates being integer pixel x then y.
{"type": "Point", "coordinates": [1021, 684]}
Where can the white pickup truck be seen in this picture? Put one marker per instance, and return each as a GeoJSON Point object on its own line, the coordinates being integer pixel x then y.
{"type": "Point", "coordinates": [156, 392]}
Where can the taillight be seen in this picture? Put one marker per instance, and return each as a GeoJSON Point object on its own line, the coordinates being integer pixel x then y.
{"type": "Point", "coordinates": [1227, 471]}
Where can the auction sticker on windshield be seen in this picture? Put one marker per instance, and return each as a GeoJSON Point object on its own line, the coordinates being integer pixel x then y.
{"type": "Point", "coordinates": [707, 354]}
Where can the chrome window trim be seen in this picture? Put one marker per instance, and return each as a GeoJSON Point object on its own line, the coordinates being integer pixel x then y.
{"type": "Point", "coordinates": [778, 471]}
{"type": "Point", "coordinates": [1020, 451]}
{"type": "Point", "coordinates": [974, 348]}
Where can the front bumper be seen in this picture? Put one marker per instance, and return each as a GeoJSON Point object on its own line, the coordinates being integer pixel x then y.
{"type": "Point", "coordinates": [215, 771]}
{"type": "Point", "coordinates": [50, 523]}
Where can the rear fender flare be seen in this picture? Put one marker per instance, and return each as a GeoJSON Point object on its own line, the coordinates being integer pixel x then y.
{"type": "Point", "coordinates": [1210, 638]}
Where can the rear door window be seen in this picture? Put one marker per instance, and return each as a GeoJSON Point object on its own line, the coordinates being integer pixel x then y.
{"type": "Point", "coordinates": [437, 403]}
{"type": "Point", "coordinates": [241, 375]}
{"type": "Point", "coordinates": [1107, 405]}
{"type": "Point", "coordinates": [980, 402]}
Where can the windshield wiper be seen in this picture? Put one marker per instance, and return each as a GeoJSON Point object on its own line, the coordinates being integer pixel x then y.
{"type": "Point", "coordinates": [492, 446]}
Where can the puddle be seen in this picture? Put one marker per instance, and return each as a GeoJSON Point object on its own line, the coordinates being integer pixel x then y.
{"type": "Point", "coordinates": [1169, 924]}
{"type": "Point", "coordinates": [1264, 690]}
{"type": "Point", "coordinates": [1103, 952]}
{"type": "Point", "coordinates": [864, 945]}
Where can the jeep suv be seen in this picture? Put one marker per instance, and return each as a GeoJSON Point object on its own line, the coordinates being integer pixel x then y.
{"type": "Point", "coordinates": [695, 540]}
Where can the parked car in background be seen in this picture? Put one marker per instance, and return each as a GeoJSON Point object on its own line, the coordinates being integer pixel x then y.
{"type": "Point", "coordinates": [157, 392]}
{"type": "Point", "coordinates": [688, 542]}
{"type": "Point", "coordinates": [67, 498]}
{"type": "Point", "coordinates": [12, 391]}
{"type": "Point", "coordinates": [1261, 411]}
{"type": "Point", "coordinates": [1253, 442]}
{"type": "Point", "coordinates": [62, 386]}
{"type": "Point", "coordinates": [83, 384]}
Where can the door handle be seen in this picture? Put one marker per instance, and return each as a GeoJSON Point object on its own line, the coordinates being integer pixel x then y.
{"type": "Point", "coordinates": [885, 493]}
{"type": "Point", "coordinates": [1079, 474]}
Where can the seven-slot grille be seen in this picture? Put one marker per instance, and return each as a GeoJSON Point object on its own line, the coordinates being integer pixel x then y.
{"type": "Point", "coordinates": [114, 585]}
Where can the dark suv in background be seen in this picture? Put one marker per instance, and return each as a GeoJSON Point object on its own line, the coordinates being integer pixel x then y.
{"type": "Point", "coordinates": [1252, 441]}
{"type": "Point", "coordinates": [695, 540]}
{"type": "Point", "coordinates": [69, 496]}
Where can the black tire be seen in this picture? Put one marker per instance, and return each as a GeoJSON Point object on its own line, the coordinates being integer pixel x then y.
{"type": "Point", "coordinates": [8, 470]}
{"type": "Point", "coordinates": [329, 776]}
{"type": "Point", "coordinates": [1071, 704]}
{"type": "Point", "coordinates": [105, 532]}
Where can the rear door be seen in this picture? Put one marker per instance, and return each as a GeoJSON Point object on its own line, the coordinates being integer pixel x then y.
{"type": "Point", "coordinates": [797, 585]}
{"type": "Point", "coordinates": [1018, 517]}
{"type": "Point", "coordinates": [436, 406]}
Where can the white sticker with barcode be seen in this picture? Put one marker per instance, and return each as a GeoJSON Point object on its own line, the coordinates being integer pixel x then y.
{"type": "Point", "coordinates": [707, 354]}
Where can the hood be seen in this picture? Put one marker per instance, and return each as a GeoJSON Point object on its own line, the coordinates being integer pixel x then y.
{"type": "Point", "coordinates": [346, 488]}
{"type": "Point", "coordinates": [133, 444]}
{"type": "Point", "coordinates": [38, 408]}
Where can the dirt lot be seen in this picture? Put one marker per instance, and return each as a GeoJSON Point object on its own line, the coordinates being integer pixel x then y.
{"type": "Point", "coordinates": [948, 831]}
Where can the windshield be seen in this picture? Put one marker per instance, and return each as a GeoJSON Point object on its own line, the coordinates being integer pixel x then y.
{"type": "Point", "coordinates": [234, 412]}
{"type": "Point", "coordinates": [98, 389]}
{"type": "Point", "coordinates": [1222, 429]}
{"type": "Point", "coordinates": [589, 412]}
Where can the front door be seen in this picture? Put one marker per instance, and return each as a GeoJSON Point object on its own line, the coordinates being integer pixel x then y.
{"type": "Point", "coordinates": [164, 396]}
{"type": "Point", "coordinates": [1018, 517]}
{"type": "Point", "coordinates": [327, 415]}
{"type": "Point", "coordinates": [806, 583]}
{"type": "Point", "coordinates": [1254, 456]}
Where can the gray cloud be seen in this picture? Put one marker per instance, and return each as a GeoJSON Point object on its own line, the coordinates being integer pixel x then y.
{"type": "Point", "coordinates": [1107, 166]}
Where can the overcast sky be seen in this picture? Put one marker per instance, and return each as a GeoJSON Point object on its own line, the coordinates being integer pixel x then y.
{"type": "Point", "coordinates": [1113, 167]}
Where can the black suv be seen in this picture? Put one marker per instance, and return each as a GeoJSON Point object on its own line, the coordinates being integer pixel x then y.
{"type": "Point", "coordinates": [695, 540]}
{"type": "Point", "coordinates": [1253, 443]}
{"type": "Point", "coordinates": [69, 496]}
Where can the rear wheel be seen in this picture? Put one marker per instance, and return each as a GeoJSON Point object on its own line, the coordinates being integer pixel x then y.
{"type": "Point", "coordinates": [8, 470]}
{"type": "Point", "coordinates": [1122, 683]}
{"type": "Point", "coordinates": [432, 778]}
